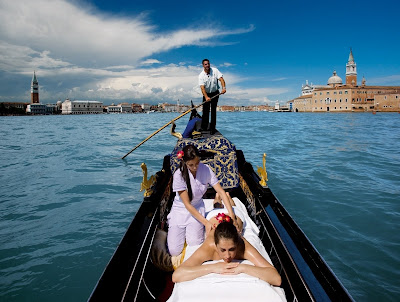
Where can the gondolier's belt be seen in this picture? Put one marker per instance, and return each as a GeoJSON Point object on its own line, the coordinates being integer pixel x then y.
{"type": "Point", "coordinates": [211, 94]}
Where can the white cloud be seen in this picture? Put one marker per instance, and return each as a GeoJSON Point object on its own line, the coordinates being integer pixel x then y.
{"type": "Point", "coordinates": [226, 64]}
{"type": "Point", "coordinates": [81, 35]}
{"type": "Point", "coordinates": [81, 53]}
{"type": "Point", "coordinates": [150, 62]}
{"type": "Point", "coordinates": [16, 58]}
{"type": "Point", "coordinates": [387, 80]}
{"type": "Point", "coordinates": [279, 79]}
{"type": "Point", "coordinates": [239, 96]}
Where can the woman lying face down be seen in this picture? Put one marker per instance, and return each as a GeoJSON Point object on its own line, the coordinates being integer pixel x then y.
{"type": "Point", "coordinates": [226, 244]}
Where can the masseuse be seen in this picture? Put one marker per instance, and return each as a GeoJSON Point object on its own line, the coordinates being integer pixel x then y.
{"type": "Point", "coordinates": [186, 219]}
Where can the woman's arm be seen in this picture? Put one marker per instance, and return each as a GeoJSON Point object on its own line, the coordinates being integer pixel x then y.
{"type": "Point", "coordinates": [192, 268]}
{"type": "Point", "coordinates": [225, 199]}
{"type": "Point", "coordinates": [267, 274]}
{"type": "Point", "coordinates": [184, 195]}
{"type": "Point", "coordinates": [262, 268]}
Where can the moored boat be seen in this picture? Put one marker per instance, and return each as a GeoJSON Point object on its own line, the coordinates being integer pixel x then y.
{"type": "Point", "coordinates": [135, 274]}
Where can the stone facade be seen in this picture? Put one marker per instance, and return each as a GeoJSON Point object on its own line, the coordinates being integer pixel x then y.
{"type": "Point", "coordinates": [81, 107]}
{"type": "Point", "coordinates": [387, 102]}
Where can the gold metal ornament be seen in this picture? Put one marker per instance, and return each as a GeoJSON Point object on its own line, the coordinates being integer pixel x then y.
{"type": "Point", "coordinates": [146, 183]}
{"type": "Point", "coordinates": [262, 172]}
{"type": "Point", "coordinates": [173, 133]}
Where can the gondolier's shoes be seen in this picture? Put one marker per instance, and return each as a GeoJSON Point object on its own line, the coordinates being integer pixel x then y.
{"type": "Point", "coordinates": [196, 134]}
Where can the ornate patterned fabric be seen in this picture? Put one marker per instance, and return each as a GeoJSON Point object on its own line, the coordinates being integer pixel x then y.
{"type": "Point", "coordinates": [222, 160]}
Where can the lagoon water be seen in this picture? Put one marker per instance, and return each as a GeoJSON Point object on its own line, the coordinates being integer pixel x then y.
{"type": "Point", "coordinates": [66, 197]}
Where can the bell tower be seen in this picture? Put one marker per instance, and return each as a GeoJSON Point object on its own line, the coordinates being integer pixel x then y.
{"type": "Point", "coordinates": [34, 89]}
{"type": "Point", "coordinates": [351, 71]}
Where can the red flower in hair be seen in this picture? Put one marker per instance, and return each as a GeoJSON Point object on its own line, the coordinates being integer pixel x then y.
{"type": "Point", "coordinates": [180, 154]}
{"type": "Point", "coordinates": [221, 217]}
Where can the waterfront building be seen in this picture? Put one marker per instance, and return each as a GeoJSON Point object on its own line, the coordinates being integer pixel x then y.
{"type": "Point", "coordinates": [13, 108]}
{"type": "Point", "coordinates": [146, 107]}
{"type": "Point", "coordinates": [226, 108]}
{"type": "Point", "coordinates": [114, 109]}
{"type": "Point", "coordinates": [167, 107]}
{"type": "Point", "coordinates": [81, 107]}
{"type": "Point", "coordinates": [36, 109]}
{"type": "Point", "coordinates": [52, 108]}
{"type": "Point", "coordinates": [125, 107]}
{"type": "Point", "coordinates": [387, 102]}
{"type": "Point", "coordinates": [34, 89]}
{"type": "Point", "coordinates": [120, 108]}
{"type": "Point", "coordinates": [348, 97]}
{"type": "Point", "coordinates": [136, 107]}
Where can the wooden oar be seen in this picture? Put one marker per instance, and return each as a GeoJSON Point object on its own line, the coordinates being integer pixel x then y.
{"type": "Point", "coordinates": [166, 125]}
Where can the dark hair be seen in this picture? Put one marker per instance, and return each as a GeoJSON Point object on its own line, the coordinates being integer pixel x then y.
{"type": "Point", "coordinates": [226, 230]}
{"type": "Point", "coordinates": [202, 62]}
{"type": "Point", "coordinates": [189, 152]}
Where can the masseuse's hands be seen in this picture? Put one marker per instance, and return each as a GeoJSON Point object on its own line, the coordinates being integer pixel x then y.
{"type": "Point", "coordinates": [235, 223]}
{"type": "Point", "coordinates": [209, 226]}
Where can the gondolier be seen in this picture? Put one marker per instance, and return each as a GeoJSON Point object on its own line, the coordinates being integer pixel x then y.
{"type": "Point", "coordinates": [208, 81]}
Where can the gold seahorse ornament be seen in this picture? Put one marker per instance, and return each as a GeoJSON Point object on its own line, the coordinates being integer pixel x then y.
{"type": "Point", "coordinates": [262, 172]}
{"type": "Point", "coordinates": [146, 183]}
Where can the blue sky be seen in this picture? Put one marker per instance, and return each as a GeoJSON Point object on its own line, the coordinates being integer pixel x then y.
{"type": "Point", "coordinates": [151, 51]}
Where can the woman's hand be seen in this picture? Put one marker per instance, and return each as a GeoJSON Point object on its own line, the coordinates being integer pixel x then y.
{"type": "Point", "coordinates": [235, 223]}
{"type": "Point", "coordinates": [209, 226]}
{"type": "Point", "coordinates": [225, 268]}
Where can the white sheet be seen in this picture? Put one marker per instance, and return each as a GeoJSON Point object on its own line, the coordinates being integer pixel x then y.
{"type": "Point", "coordinates": [216, 287]}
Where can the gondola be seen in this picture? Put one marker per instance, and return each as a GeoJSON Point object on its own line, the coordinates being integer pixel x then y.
{"type": "Point", "coordinates": [132, 274]}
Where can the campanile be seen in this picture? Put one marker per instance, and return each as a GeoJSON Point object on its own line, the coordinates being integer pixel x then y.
{"type": "Point", "coordinates": [351, 71]}
{"type": "Point", "coordinates": [34, 90]}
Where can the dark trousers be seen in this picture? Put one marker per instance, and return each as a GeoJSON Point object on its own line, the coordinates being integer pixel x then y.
{"type": "Point", "coordinates": [206, 112]}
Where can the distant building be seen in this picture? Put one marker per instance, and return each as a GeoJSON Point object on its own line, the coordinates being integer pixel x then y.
{"type": "Point", "coordinates": [114, 109]}
{"type": "Point", "coordinates": [81, 107]}
{"type": "Point", "coordinates": [348, 97]}
{"type": "Point", "coordinates": [168, 107]}
{"type": "Point", "coordinates": [120, 108]}
{"type": "Point", "coordinates": [36, 109]}
{"type": "Point", "coordinates": [34, 90]}
{"type": "Point", "coordinates": [13, 108]}
{"type": "Point", "coordinates": [146, 107]}
{"type": "Point", "coordinates": [226, 108]}
{"type": "Point", "coordinates": [136, 107]}
{"type": "Point", "coordinates": [387, 102]}
{"type": "Point", "coordinates": [52, 109]}
{"type": "Point", "coordinates": [126, 107]}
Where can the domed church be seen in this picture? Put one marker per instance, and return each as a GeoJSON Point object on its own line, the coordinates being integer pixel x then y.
{"type": "Point", "coordinates": [348, 97]}
{"type": "Point", "coordinates": [334, 80]}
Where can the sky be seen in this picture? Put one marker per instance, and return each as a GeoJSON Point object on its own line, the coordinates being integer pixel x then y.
{"type": "Point", "coordinates": [151, 51]}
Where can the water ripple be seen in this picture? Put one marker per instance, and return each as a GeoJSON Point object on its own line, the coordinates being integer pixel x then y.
{"type": "Point", "coordinates": [66, 197]}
